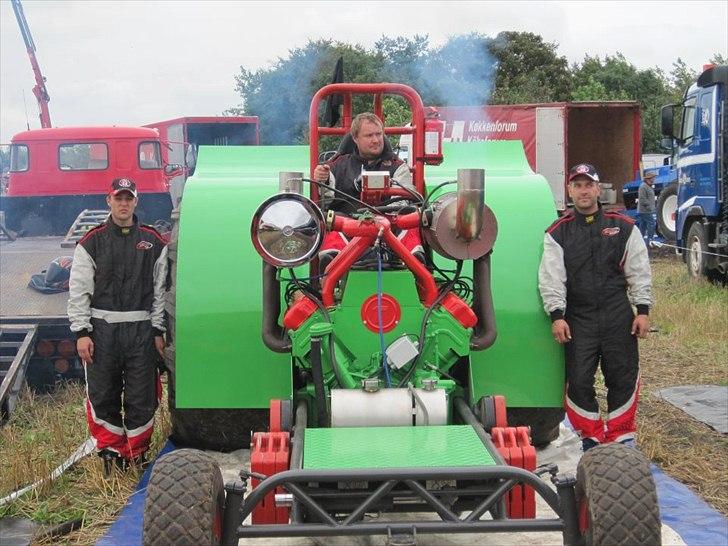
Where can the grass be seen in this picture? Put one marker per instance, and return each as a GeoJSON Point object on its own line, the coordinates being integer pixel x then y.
{"type": "Point", "coordinates": [42, 432]}
{"type": "Point", "coordinates": [690, 346]}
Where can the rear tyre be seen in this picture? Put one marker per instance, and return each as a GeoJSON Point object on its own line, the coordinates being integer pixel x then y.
{"type": "Point", "coordinates": [616, 498]}
{"type": "Point", "coordinates": [185, 500]}
{"type": "Point", "coordinates": [544, 423]}
{"type": "Point", "coordinates": [666, 210]}
{"type": "Point", "coordinates": [697, 246]}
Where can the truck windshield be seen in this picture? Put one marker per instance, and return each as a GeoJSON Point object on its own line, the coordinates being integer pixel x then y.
{"type": "Point", "coordinates": [83, 156]}
{"type": "Point", "coordinates": [149, 155]}
{"type": "Point", "coordinates": [18, 158]}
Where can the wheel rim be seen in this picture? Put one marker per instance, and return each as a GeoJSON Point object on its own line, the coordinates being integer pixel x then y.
{"type": "Point", "coordinates": [668, 212]}
{"type": "Point", "coordinates": [696, 257]}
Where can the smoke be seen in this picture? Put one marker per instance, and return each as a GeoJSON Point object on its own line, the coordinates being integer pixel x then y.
{"type": "Point", "coordinates": [459, 73]}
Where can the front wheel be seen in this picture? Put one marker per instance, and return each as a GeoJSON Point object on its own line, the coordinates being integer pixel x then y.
{"type": "Point", "coordinates": [616, 498]}
{"type": "Point", "coordinates": [544, 423]}
{"type": "Point", "coordinates": [185, 500]}
{"type": "Point", "coordinates": [697, 247]}
{"type": "Point", "coordinates": [666, 210]}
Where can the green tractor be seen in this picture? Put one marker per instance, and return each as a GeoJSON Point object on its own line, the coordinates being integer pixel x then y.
{"type": "Point", "coordinates": [376, 383]}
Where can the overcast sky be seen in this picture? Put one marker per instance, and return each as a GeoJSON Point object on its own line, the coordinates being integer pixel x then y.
{"type": "Point", "coordinates": [132, 63]}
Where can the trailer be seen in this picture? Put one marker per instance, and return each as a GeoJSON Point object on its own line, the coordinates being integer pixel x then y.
{"type": "Point", "coordinates": [557, 136]}
{"type": "Point", "coordinates": [36, 345]}
{"type": "Point", "coordinates": [376, 385]}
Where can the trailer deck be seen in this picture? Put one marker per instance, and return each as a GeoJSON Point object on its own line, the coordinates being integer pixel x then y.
{"type": "Point", "coordinates": [19, 260]}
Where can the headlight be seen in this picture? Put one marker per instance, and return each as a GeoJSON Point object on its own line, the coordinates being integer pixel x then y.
{"type": "Point", "coordinates": [287, 230]}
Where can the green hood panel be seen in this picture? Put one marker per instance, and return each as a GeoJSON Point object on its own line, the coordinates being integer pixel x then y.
{"type": "Point", "coordinates": [221, 359]}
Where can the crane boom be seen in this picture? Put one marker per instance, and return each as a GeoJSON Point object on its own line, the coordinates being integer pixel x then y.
{"type": "Point", "coordinates": [40, 91]}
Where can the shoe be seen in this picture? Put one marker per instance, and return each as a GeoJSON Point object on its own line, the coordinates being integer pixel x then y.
{"type": "Point", "coordinates": [587, 444]}
{"type": "Point", "coordinates": [629, 442]}
{"type": "Point", "coordinates": [110, 460]}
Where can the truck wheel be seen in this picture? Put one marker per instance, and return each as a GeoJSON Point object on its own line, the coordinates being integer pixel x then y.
{"type": "Point", "coordinates": [666, 210]}
{"type": "Point", "coordinates": [544, 423]}
{"type": "Point", "coordinates": [216, 429]}
{"type": "Point", "coordinates": [616, 498]}
{"type": "Point", "coordinates": [697, 245]}
{"type": "Point", "coordinates": [185, 500]}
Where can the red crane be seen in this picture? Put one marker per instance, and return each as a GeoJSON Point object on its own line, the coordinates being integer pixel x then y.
{"type": "Point", "coordinates": [40, 91]}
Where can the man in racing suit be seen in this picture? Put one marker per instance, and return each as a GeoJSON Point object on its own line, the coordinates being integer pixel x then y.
{"type": "Point", "coordinates": [343, 172]}
{"type": "Point", "coordinates": [594, 268]}
{"type": "Point", "coordinates": [115, 307]}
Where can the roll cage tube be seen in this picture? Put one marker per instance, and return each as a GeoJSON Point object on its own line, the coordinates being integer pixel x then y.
{"type": "Point", "coordinates": [348, 90]}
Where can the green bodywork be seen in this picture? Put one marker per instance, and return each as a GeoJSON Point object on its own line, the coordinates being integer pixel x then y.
{"type": "Point", "coordinates": [393, 447]}
{"type": "Point", "coordinates": [221, 359]}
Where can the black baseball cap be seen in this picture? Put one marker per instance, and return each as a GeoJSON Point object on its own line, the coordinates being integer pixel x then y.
{"type": "Point", "coordinates": [584, 169]}
{"type": "Point", "coordinates": [119, 185]}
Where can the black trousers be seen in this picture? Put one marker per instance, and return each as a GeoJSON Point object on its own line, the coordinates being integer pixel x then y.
{"type": "Point", "coordinates": [601, 336]}
{"type": "Point", "coordinates": [123, 375]}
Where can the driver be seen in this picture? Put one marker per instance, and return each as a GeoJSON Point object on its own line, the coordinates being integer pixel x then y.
{"type": "Point", "coordinates": [343, 172]}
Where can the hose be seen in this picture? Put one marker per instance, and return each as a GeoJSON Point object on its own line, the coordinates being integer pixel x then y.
{"type": "Point", "coordinates": [385, 365]}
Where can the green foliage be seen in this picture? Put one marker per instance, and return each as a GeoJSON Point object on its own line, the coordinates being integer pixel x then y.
{"type": "Point", "coordinates": [529, 70]}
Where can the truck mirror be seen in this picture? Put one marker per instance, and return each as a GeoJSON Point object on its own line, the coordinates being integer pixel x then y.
{"type": "Point", "coordinates": [667, 144]}
{"type": "Point", "coordinates": [668, 113]}
{"type": "Point", "coordinates": [172, 169]}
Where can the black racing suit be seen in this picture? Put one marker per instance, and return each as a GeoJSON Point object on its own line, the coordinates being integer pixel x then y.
{"type": "Point", "coordinates": [593, 269]}
{"type": "Point", "coordinates": [116, 295]}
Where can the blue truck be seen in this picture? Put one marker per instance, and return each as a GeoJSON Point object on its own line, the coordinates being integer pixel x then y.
{"type": "Point", "coordinates": [701, 161]}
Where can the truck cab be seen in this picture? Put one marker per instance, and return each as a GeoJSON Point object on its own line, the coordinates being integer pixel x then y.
{"type": "Point", "coordinates": [702, 214]}
{"type": "Point", "coordinates": [56, 173]}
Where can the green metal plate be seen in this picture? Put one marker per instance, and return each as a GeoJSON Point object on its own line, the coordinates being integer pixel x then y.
{"type": "Point", "coordinates": [393, 447]}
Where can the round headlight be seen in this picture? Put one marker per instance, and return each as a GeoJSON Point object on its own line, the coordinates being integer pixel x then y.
{"type": "Point", "coordinates": [287, 230]}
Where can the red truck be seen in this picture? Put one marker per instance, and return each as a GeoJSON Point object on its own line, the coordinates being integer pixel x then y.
{"type": "Point", "coordinates": [557, 136]}
{"type": "Point", "coordinates": [56, 173]}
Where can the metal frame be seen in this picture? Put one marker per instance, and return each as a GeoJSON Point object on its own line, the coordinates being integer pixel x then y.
{"type": "Point", "coordinates": [314, 496]}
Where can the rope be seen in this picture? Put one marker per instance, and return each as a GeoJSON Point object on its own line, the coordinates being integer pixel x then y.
{"type": "Point", "coordinates": [660, 245]}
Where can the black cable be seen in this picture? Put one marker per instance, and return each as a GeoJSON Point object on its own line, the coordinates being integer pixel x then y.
{"type": "Point", "coordinates": [412, 192]}
{"type": "Point", "coordinates": [344, 194]}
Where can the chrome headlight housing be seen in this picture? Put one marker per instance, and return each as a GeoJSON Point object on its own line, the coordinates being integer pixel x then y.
{"type": "Point", "coordinates": [287, 230]}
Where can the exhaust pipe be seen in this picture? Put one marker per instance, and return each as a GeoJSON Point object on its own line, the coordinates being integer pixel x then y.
{"type": "Point", "coordinates": [274, 335]}
{"type": "Point", "coordinates": [471, 202]}
{"type": "Point", "coordinates": [485, 331]}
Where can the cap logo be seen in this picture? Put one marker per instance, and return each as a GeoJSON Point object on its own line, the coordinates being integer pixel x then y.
{"type": "Point", "coordinates": [581, 169]}
{"type": "Point", "coordinates": [144, 245]}
{"type": "Point", "coordinates": [610, 231]}
{"type": "Point", "coordinates": [124, 183]}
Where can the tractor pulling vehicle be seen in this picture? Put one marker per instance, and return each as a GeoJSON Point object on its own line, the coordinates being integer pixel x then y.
{"type": "Point", "coordinates": [378, 401]}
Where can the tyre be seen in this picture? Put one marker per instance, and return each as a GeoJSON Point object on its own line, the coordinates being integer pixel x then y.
{"type": "Point", "coordinates": [616, 498]}
{"type": "Point", "coordinates": [666, 210]}
{"type": "Point", "coordinates": [544, 423]}
{"type": "Point", "coordinates": [215, 429]}
{"type": "Point", "coordinates": [697, 246]}
{"type": "Point", "coordinates": [185, 500]}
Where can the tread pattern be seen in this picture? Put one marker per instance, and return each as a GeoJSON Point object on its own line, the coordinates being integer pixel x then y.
{"type": "Point", "coordinates": [184, 494]}
{"type": "Point", "coordinates": [617, 483]}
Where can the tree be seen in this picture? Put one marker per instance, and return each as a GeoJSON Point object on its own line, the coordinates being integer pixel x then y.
{"type": "Point", "coordinates": [528, 70]}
